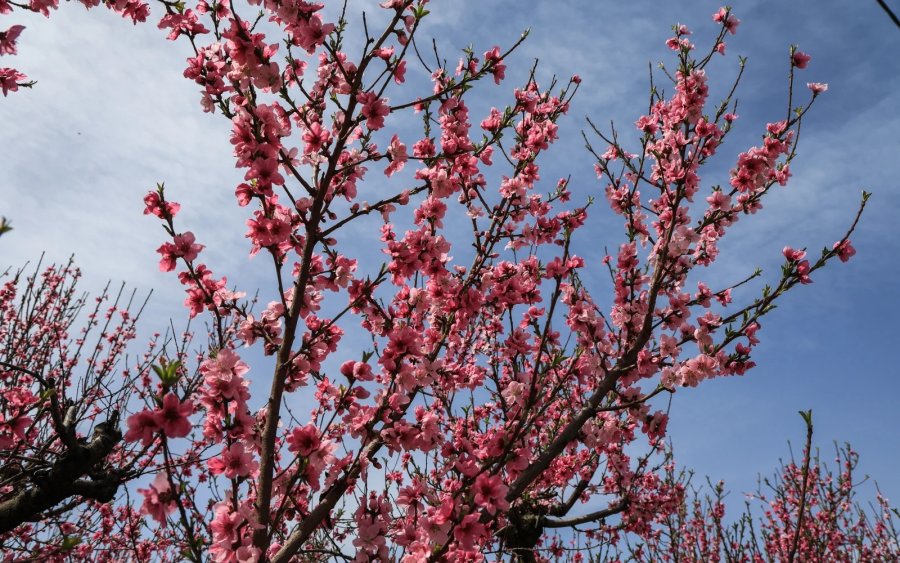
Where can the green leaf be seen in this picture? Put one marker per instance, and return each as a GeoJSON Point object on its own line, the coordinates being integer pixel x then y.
{"type": "Point", "coordinates": [167, 372]}
{"type": "Point", "coordinates": [69, 542]}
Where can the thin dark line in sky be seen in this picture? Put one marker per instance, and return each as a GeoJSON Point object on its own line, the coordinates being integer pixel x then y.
{"type": "Point", "coordinates": [890, 13]}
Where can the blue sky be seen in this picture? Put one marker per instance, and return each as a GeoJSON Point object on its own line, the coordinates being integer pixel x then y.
{"type": "Point", "coordinates": [111, 115]}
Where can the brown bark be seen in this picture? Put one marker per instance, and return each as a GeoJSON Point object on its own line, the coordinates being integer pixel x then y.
{"type": "Point", "coordinates": [66, 479]}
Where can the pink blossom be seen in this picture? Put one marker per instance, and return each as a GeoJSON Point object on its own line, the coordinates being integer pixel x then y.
{"type": "Point", "coordinates": [724, 16]}
{"type": "Point", "coordinates": [158, 500]}
{"type": "Point", "coordinates": [16, 426]}
{"type": "Point", "coordinates": [43, 6]}
{"type": "Point", "coordinates": [493, 59]}
{"type": "Point", "coordinates": [304, 440]}
{"type": "Point", "coordinates": [234, 461]}
{"type": "Point", "coordinates": [225, 527]}
{"type": "Point", "coordinates": [310, 33]}
{"type": "Point", "coordinates": [817, 87]}
{"type": "Point", "coordinates": [844, 250]}
{"type": "Point", "coordinates": [490, 493]}
{"type": "Point", "coordinates": [183, 246]}
{"type": "Point", "coordinates": [8, 39]}
{"type": "Point", "coordinates": [172, 416]}
{"type": "Point", "coordinates": [647, 124]}
{"type": "Point", "coordinates": [803, 272]}
{"type": "Point", "coordinates": [800, 59]}
{"type": "Point", "coordinates": [793, 255]}
{"type": "Point", "coordinates": [374, 109]}
{"type": "Point", "coordinates": [719, 200]}
{"type": "Point", "coordinates": [397, 155]}
{"type": "Point", "coordinates": [469, 531]}
{"type": "Point", "coordinates": [10, 79]}
{"type": "Point", "coordinates": [265, 171]}
{"type": "Point", "coordinates": [399, 72]}
{"type": "Point", "coordinates": [223, 376]}
{"type": "Point", "coordinates": [142, 426]}
{"type": "Point", "coordinates": [271, 230]}
{"type": "Point", "coordinates": [154, 205]}
{"type": "Point", "coordinates": [316, 137]}
{"type": "Point", "coordinates": [182, 23]}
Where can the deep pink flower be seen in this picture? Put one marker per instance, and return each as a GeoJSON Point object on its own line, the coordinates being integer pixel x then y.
{"type": "Point", "coordinates": [315, 138]}
{"type": "Point", "coordinates": [142, 426]}
{"type": "Point", "coordinates": [182, 247]}
{"type": "Point", "coordinates": [8, 39]}
{"type": "Point", "coordinates": [490, 493]}
{"type": "Point", "coordinates": [185, 246]}
{"type": "Point", "coordinates": [10, 79]}
{"type": "Point", "coordinates": [803, 272]}
{"type": "Point", "coordinates": [374, 109]}
{"type": "Point", "coordinates": [498, 69]}
{"type": "Point", "coordinates": [43, 6]}
{"type": "Point", "coordinates": [800, 59]}
{"type": "Point", "coordinates": [793, 255]}
{"type": "Point", "coordinates": [844, 250]}
{"type": "Point", "coordinates": [154, 206]}
{"type": "Point", "coordinates": [304, 440]}
{"type": "Point", "coordinates": [310, 33]}
{"type": "Point", "coordinates": [234, 461]}
{"type": "Point", "coordinates": [172, 416]}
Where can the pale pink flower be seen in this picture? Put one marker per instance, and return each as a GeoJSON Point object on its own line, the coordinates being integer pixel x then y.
{"type": "Point", "coordinates": [724, 17]}
{"type": "Point", "coordinates": [158, 501]}
{"type": "Point", "coordinates": [817, 87]}
{"type": "Point", "coordinates": [397, 155]}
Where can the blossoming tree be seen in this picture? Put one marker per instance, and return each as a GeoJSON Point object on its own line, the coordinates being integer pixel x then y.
{"type": "Point", "coordinates": [491, 399]}
{"type": "Point", "coordinates": [810, 513]}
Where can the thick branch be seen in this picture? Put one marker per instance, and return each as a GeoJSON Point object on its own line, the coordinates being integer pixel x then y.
{"type": "Point", "coordinates": [585, 519]}
{"type": "Point", "coordinates": [63, 480]}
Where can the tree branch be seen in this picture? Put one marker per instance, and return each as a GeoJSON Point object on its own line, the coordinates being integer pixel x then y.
{"type": "Point", "coordinates": [592, 517]}
{"type": "Point", "coordinates": [889, 12]}
{"type": "Point", "coordinates": [63, 480]}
